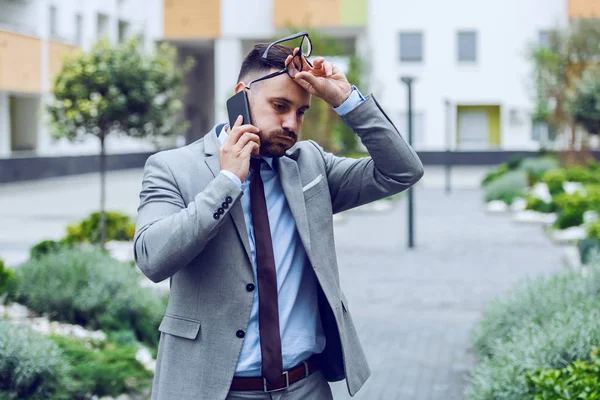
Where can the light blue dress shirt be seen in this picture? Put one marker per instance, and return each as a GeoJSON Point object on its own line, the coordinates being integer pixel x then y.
{"type": "Point", "coordinates": [299, 319]}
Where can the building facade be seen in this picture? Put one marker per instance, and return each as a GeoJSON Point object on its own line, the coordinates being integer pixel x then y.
{"type": "Point", "coordinates": [473, 87]}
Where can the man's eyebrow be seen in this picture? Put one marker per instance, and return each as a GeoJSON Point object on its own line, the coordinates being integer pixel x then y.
{"type": "Point", "coordinates": [289, 102]}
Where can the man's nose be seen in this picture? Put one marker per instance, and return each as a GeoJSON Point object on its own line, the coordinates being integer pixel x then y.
{"type": "Point", "coordinates": [290, 122]}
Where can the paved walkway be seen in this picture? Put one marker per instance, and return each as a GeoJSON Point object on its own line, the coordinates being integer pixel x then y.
{"type": "Point", "coordinates": [414, 310]}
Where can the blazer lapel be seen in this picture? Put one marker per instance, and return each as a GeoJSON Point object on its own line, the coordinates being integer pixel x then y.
{"type": "Point", "coordinates": [211, 148]}
{"type": "Point", "coordinates": [289, 175]}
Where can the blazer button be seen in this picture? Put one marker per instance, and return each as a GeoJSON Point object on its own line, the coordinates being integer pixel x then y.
{"type": "Point", "coordinates": [225, 205]}
{"type": "Point", "coordinates": [250, 287]}
{"type": "Point", "coordinates": [240, 334]}
{"type": "Point", "coordinates": [216, 216]}
{"type": "Point", "coordinates": [221, 211]}
{"type": "Point", "coordinates": [228, 199]}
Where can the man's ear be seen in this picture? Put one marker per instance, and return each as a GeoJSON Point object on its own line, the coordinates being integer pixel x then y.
{"type": "Point", "coordinates": [239, 87]}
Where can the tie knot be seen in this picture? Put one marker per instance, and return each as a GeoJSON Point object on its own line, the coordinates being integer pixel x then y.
{"type": "Point", "coordinates": [255, 164]}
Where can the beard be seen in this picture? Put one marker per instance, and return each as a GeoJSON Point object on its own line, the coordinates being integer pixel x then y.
{"type": "Point", "coordinates": [277, 142]}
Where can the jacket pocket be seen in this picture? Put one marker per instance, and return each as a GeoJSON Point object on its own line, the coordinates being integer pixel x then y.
{"type": "Point", "coordinates": [180, 327]}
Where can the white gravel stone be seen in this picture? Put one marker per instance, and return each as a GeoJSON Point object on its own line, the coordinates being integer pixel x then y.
{"type": "Point", "coordinates": [497, 206]}
{"type": "Point", "coordinates": [530, 216]}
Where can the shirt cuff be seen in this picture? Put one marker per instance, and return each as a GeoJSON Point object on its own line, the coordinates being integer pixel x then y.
{"type": "Point", "coordinates": [233, 177]}
{"type": "Point", "coordinates": [351, 102]}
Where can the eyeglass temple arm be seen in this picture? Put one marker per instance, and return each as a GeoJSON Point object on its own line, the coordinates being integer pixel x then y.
{"type": "Point", "coordinates": [285, 39]}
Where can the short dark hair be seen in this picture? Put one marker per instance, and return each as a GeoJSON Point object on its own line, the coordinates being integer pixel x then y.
{"type": "Point", "coordinates": [255, 66]}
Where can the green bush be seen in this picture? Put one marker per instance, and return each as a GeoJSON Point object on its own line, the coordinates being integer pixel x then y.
{"type": "Point", "coordinates": [47, 246]}
{"type": "Point", "coordinates": [507, 188]}
{"type": "Point", "coordinates": [569, 335]}
{"type": "Point", "coordinates": [104, 369]}
{"type": "Point", "coordinates": [554, 179]}
{"type": "Point", "coordinates": [531, 301]}
{"type": "Point", "coordinates": [536, 167]}
{"type": "Point", "coordinates": [587, 248]}
{"type": "Point", "coordinates": [495, 174]}
{"type": "Point", "coordinates": [579, 380]}
{"type": "Point", "coordinates": [7, 278]}
{"type": "Point", "coordinates": [569, 217]}
{"type": "Point", "coordinates": [539, 205]}
{"type": "Point", "coordinates": [31, 366]}
{"type": "Point", "coordinates": [580, 174]}
{"type": "Point", "coordinates": [90, 288]}
{"type": "Point", "coordinates": [118, 227]}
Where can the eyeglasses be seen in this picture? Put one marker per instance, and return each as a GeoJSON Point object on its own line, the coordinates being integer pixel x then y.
{"type": "Point", "coordinates": [296, 64]}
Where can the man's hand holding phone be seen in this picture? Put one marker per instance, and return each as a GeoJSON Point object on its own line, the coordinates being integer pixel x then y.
{"type": "Point", "coordinates": [242, 143]}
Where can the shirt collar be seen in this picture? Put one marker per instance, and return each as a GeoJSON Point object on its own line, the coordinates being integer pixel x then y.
{"type": "Point", "coordinates": [223, 137]}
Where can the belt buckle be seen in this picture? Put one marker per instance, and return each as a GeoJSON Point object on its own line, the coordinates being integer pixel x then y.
{"type": "Point", "coordinates": [287, 384]}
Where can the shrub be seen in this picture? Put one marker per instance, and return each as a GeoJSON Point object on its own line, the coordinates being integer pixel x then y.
{"type": "Point", "coordinates": [495, 174]}
{"type": "Point", "coordinates": [47, 246]}
{"type": "Point", "coordinates": [118, 227]}
{"type": "Point", "coordinates": [539, 205]}
{"type": "Point", "coordinates": [569, 218]}
{"type": "Point", "coordinates": [580, 174]}
{"type": "Point", "coordinates": [580, 380]}
{"type": "Point", "coordinates": [569, 335]}
{"type": "Point", "coordinates": [31, 366]}
{"type": "Point", "coordinates": [588, 248]}
{"type": "Point", "coordinates": [507, 187]}
{"type": "Point", "coordinates": [536, 167]}
{"type": "Point", "coordinates": [554, 179]}
{"type": "Point", "coordinates": [105, 368]}
{"type": "Point", "coordinates": [533, 300]}
{"type": "Point", "coordinates": [90, 288]}
{"type": "Point", "coordinates": [7, 278]}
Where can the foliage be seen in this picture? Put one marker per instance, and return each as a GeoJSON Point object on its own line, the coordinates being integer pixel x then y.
{"type": "Point", "coordinates": [585, 105]}
{"type": "Point", "coordinates": [91, 289]}
{"type": "Point", "coordinates": [539, 205]}
{"type": "Point", "coordinates": [572, 209]}
{"type": "Point", "coordinates": [588, 248]}
{"type": "Point", "coordinates": [118, 90]}
{"type": "Point", "coordinates": [7, 278]}
{"type": "Point", "coordinates": [579, 380]}
{"type": "Point", "coordinates": [118, 227]}
{"type": "Point", "coordinates": [47, 246]}
{"type": "Point", "coordinates": [507, 187]}
{"type": "Point", "coordinates": [536, 167]}
{"type": "Point", "coordinates": [569, 218]}
{"type": "Point", "coordinates": [582, 174]}
{"type": "Point", "coordinates": [495, 174]}
{"type": "Point", "coordinates": [31, 366]}
{"type": "Point", "coordinates": [103, 368]}
{"type": "Point", "coordinates": [555, 179]}
{"type": "Point", "coordinates": [568, 335]}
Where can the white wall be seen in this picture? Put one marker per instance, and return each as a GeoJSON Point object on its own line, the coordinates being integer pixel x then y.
{"type": "Point", "coordinates": [21, 16]}
{"type": "Point", "coordinates": [247, 19]}
{"type": "Point", "coordinates": [4, 126]}
{"type": "Point", "coordinates": [500, 75]}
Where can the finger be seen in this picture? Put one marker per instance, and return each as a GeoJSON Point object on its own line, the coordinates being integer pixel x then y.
{"type": "Point", "coordinates": [328, 68]}
{"type": "Point", "coordinates": [238, 131]}
{"type": "Point", "coordinates": [232, 131]}
{"type": "Point", "coordinates": [245, 139]}
{"type": "Point", "coordinates": [307, 81]}
{"type": "Point", "coordinates": [318, 62]}
{"type": "Point", "coordinates": [251, 148]}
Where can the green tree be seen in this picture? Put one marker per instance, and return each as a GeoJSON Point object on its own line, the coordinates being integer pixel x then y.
{"type": "Point", "coordinates": [557, 68]}
{"type": "Point", "coordinates": [119, 89]}
{"type": "Point", "coordinates": [585, 105]}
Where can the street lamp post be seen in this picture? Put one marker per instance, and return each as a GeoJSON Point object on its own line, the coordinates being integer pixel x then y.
{"type": "Point", "coordinates": [408, 80]}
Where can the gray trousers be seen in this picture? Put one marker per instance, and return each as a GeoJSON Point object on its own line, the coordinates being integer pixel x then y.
{"type": "Point", "coordinates": [313, 387]}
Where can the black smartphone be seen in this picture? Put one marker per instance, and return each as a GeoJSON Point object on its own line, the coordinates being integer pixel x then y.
{"type": "Point", "coordinates": [238, 105]}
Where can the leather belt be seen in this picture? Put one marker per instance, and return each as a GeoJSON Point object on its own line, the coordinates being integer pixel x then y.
{"type": "Point", "coordinates": [289, 377]}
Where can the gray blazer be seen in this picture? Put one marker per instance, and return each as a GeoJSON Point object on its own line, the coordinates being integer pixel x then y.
{"type": "Point", "coordinates": [208, 260]}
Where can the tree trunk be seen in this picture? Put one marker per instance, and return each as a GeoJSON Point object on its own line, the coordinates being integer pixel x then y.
{"type": "Point", "coordinates": [102, 192]}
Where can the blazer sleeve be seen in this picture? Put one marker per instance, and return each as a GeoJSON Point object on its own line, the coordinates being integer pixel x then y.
{"type": "Point", "coordinates": [170, 234]}
{"type": "Point", "coordinates": [393, 165]}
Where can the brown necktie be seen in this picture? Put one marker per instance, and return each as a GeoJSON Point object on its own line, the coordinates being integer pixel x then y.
{"type": "Point", "coordinates": [268, 310]}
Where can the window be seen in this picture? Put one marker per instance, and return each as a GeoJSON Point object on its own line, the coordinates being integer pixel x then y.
{"type": "Point", "coordinates": [53, 22]}
{"type": "Point", "coordinates": [545, 39]}
{"type": "Point", "coordinates": [102, 25]}
{"type": "Point", "coordinates": [411, 47]}
{"type": "Point", "coordinates": [123, 31]}
{"type": "Point", "coordinates": [467, 46]}
{"type": "Point", "coordinates": [78, 29]}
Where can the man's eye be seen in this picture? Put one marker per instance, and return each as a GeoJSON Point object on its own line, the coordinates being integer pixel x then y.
{"type": "Point", "coordinates": [279, 107]}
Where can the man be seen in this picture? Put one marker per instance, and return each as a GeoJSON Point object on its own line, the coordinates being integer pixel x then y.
{"type": "Point", "coordinates": [241, 223]}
